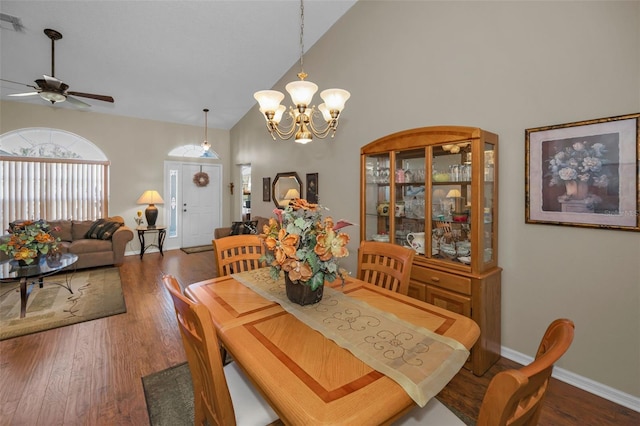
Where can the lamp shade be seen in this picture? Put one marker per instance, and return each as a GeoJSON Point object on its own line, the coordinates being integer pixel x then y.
{"type": "Point", "coordinates": [269, 100]}
{"type": "Point", "coordinates": [301, 92]}
{"type": "Point", "coordinates": [151, 197]}
{"type": "Point", "coordinates": [454, 193]}
{"type": "Point", "coordinates": [335, 98]}
{"type": "Point", "coordinates": [292, 194]}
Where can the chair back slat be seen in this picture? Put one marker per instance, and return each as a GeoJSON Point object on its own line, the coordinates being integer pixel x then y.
{"type": "Point", "coordinates": [385, 265]}
{"type": "Point", "coordinates": [238, 253]}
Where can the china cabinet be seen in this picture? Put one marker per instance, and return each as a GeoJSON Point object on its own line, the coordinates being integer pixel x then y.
{"type": "Point", "coordinates": [435, 189]}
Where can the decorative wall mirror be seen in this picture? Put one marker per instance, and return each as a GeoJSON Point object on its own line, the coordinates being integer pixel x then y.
{"type": "Point", "coordinates": [286, 187]}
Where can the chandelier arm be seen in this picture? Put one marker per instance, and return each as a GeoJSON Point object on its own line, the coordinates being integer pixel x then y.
{"type": "Point", "coordinates": [284, 133]}
{"type": "Point", "coordinates": [322, 132]}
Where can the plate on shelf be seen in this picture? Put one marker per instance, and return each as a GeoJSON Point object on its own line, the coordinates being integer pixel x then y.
{"type": "Point", "coordinates": [465, 259]}
{"type": "Point", "coordinates": [383, 238]}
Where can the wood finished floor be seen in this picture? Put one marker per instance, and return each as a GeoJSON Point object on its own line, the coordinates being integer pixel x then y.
{"type": "Point", "coordinates": [90, 373]}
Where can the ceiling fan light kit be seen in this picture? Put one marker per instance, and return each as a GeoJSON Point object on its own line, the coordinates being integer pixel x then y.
{"type": "Point", "coordinates": [53, 90]}
{"type": "Point", "coordinates": [301, 115]}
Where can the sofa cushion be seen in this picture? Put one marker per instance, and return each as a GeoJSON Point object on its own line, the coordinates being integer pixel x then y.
{"type": "Point", "coordinates": [61, 229]}
{"type": "Point", "coordinates": [79, 228]}
{"type": "Point", "coordinates": [248, 227]}
{"type": "Point", "coordinates": [103, 229]}
{"type": "Point", "coordinates": [90, 246]}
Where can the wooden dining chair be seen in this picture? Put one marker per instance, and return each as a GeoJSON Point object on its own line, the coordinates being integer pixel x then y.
{"type": "Point", "coordinates": [238, 253]}
{"type": "Point", "coordinates": [216, 389]}
{"type": "Point", "coordinates": [515, 397]}
{"type": "Point", "coordinates": [386, 265]}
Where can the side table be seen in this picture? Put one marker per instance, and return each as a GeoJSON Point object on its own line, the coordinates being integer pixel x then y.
{"type": "Point", "coordinates": [160, 230]}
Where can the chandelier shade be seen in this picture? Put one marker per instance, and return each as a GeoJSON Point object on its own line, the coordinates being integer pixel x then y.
{"type": "Point", "coordinates": [301, 92]}
{"type": "Point", "coordinates": [303, 118]}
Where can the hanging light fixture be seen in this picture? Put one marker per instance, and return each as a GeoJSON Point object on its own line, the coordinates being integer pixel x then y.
{"type": "Point", "coordinates": [206, 146]}
{"type": "Point", "coordinates": [301, 114]}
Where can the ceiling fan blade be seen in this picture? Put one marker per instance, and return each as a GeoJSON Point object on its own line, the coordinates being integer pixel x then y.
{"type": "Point", "coordinates": [21, 84]}
{"type": "Point", "coordinates": [52, 82]}
{"type": "Point", "coordinates": [77, 102]}
{"type": "Point", "coordinates": [24, 94]}
{"type": "Point", "coordinates": [92, 96]}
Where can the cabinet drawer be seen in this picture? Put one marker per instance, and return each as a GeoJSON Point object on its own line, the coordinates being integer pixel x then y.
{"type": "Point", "coordinates": [442, 279]}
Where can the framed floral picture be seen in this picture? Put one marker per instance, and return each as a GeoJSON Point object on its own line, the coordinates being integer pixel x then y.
{"type": "Point", "coordinates": [584, 173]}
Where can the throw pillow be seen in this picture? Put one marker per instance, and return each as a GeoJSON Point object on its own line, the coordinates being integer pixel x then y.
{"type": "Point", "coordinates": [248, 227]}
{"type": "Point", "coordinates": [103, 229]}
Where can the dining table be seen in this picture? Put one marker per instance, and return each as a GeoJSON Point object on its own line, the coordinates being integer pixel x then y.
{"type": "Point", "coordinates": [313, 377]}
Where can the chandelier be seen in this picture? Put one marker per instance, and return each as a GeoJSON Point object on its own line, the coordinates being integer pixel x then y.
{"type": "Point", "coordinates": [303, 118]}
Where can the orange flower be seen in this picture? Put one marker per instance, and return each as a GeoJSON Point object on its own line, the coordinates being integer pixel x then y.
{"type": "Point", "coordinates": [297, 270]}
{"type": "Point", "coordinates": [301, 203]}
{"type": "Point", "coordinates": [44, 238]}
{"type": "Point", "coordinates": [283, 247]}
{"type": "Point", "coordinates": [331, 244]}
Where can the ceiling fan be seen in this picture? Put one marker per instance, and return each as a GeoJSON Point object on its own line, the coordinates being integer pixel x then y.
{"type": "Point", "coordinates": [53, 90]}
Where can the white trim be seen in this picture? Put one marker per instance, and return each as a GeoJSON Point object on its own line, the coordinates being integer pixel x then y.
{"type": "Point", "coordinates": [588, 385]}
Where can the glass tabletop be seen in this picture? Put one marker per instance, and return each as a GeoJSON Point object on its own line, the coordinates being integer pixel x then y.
{"type": "Point", "coordinates": [9, 269]}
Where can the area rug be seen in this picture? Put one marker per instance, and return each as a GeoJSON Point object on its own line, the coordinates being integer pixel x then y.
{"type": "Point", "coordinates": [97, 293]}
{"type": "Point", "coordinates": [197, 249]}
{"type": "Point", "coordinates": [169, 396]}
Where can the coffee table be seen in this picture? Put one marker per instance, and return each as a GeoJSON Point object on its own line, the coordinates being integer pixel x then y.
{"type": "Point", "coordinates": [10, 271]}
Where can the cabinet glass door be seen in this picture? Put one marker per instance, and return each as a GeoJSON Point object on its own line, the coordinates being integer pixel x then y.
{"type": "Point", "coordinates": [377, 197]}
{"type": "Point", "coordinates": [488, 237]}
{"type": "Point", "coordinates": [451, 211]}
{"type": "Point", "coordinates": [409, 197]}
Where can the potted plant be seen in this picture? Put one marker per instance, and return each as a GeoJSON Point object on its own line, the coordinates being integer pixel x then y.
{"type": "Point", "coordinates": [28, 240]}
{"type": "Point", "coordinates": [306, 248]}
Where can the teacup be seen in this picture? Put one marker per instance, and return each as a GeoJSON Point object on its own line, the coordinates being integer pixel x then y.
{"type": "Point", "coordinates": [416, 241]}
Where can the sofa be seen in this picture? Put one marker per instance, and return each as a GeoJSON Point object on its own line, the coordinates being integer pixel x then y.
{"type": "Point", "coordinates": [96, 242]}
{"type": "Point", "coordinates": [246, 227]}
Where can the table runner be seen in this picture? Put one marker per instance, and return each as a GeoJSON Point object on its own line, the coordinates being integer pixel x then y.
{"type": "Point", "coordinates": [419, 360]}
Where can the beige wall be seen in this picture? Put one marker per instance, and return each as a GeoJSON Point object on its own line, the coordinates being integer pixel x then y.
{"type": "Point", "coordinates": [505, 67]}
{"type": "Point", "coordinates": [136, 148]}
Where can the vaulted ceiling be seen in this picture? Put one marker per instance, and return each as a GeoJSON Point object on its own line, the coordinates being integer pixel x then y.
{"type": "Point", "coordinates": [160, 60]}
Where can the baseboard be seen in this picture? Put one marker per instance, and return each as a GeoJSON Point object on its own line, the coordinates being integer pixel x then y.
{"type": "Point", "coordinates": [588, 385]}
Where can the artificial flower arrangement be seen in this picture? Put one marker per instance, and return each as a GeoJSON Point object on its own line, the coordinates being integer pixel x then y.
{"type": "Point", "coordinates": [579, 162]}
{"type": "Point", "coordinates": [27, 240]}
{"type": "Point", "coordinates": [304, 245]}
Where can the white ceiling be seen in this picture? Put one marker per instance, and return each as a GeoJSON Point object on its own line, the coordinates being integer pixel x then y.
{"type": "Point", "coordinates": [161, 60]}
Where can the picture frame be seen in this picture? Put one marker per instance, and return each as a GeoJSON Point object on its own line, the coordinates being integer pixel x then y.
{"type": "Point", "coordinates": [312, 188]}
{"type": "Point", "coordinates": [266, 189]}
{"type": "Point", "coordinates": [584, 173]}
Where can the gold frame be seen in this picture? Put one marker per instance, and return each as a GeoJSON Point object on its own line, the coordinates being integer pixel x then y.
{"type": "Point", "coordinates": [602, 194]}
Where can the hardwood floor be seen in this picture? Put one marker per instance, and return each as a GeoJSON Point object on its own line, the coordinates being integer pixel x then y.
{"type": "Point", "coordinates": [90, 373]}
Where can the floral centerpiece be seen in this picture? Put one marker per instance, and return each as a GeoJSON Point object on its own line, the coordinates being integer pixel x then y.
{"type": "Point", "coordinates": [305, 246]}
{"type": "Point", "coordinates": [579, 165]}
{"type": "Point", "coordinates": [28, 240]}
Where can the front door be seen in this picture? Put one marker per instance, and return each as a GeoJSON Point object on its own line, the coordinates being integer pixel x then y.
{"type": "Point", "coordinates": [201, 204]}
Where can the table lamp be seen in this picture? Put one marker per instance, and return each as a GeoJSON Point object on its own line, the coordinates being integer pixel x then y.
{"type": "Point", "coordinates": [459, 200]}
{"type": "Point", "coordinates": [291, 194]}
{"type": "Point", "coordinates": [151, 197]}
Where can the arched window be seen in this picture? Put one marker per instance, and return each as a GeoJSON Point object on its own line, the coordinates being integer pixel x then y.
{"type": "Point", "coordinates": [51, 174]}
{"type": "Point", "coordinates": [194, 151]}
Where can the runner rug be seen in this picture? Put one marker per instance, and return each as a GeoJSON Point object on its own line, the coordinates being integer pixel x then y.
{"type": "Point", "coordinates": [197, 249]}
{"type": "Point", "coordinates": [97, 293]}
{"type": "Point", "coordinates": [169, 397]}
